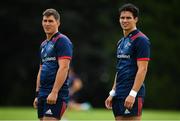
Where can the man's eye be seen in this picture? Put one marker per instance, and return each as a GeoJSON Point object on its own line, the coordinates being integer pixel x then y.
{"type": "Point", "coordinates": [50, 21]}
{"type": "Point", "coordinates": [128, 17]}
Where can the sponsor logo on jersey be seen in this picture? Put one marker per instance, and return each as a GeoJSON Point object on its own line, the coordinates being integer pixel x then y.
{"type": "Point", "coordinates": [49, 59]}
{"type": "Point", "coordinates": [123, 56]}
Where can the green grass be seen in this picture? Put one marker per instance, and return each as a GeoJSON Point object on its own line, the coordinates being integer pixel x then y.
{"type": "Point", "coordinates": [23, 113]}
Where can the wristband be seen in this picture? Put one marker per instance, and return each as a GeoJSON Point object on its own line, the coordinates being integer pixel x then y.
{"type": "Point", "coordinates": [112, 93]}
{"type": "Point", "coordinates": [36, 94]}
{"type": "Point", "coordinates": [133, 93]}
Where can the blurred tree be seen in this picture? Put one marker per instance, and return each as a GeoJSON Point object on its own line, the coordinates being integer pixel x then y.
{"type": "Point", "coordinates": [94, 30]}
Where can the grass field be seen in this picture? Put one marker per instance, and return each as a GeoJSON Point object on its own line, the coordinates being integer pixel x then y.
{"type": "Point", "coordinates": [26, 113]}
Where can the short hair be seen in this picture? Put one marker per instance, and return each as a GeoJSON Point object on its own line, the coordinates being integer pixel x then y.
{"type": "Point", "coordinates": [53, 12]}
{"type": "Point", "coordinates": [131, 8]}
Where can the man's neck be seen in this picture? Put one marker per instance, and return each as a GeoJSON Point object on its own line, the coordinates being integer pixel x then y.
{"type": "Point", "coordinates": [126, 32]}
{"type": "Point", "coordinates": [49, 36]}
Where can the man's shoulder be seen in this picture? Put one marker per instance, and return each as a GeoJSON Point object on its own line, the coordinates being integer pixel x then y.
{"type": "Point", "coordinates": [43, 43]}
{"type": "Point", "coordinates": [139, 35]}
{"type": "Point", "coordinates": [63, 38]}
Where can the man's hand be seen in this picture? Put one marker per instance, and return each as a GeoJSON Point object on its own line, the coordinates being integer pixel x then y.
{"type": "Point", "coordinates": [52, 98]}
{"type": "Point", "coordinates": [129, 102]}
{"type": "Point", "coordinates": [35, 102]}
{"type": "Point", "coordinates": [108, 102]}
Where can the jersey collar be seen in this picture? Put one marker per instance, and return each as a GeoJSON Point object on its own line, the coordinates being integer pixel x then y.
{"type": "Point", "coordinates": [56, 34]}
{"type": "Point", "coordinates": [133, 33]}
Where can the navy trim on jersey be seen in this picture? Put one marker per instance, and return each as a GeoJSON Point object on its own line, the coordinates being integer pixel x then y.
{"type": "Point", "coordinates": [139, 34]}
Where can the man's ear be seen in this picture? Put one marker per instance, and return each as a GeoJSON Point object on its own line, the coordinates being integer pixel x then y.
{"type": "Point", "coordinates": [136, 19]}
{"type": "Point", "coordinates": [59, 23]}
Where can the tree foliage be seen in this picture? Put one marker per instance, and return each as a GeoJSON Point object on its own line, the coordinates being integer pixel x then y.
{"type": "Point", "coordinates": [94, 30]}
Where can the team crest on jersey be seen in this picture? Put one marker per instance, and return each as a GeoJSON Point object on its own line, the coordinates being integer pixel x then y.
{"type": "Point", "coordinates": [51, 46]}
{"type": "Point", "coordinates": [127, 45]}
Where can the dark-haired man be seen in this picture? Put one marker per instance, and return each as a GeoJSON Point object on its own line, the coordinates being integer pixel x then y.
{"type": "Point", "coordinates": [133, 54]}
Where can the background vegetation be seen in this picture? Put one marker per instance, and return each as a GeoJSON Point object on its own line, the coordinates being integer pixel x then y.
{"type": "Point", "coordinates": [93, 27]}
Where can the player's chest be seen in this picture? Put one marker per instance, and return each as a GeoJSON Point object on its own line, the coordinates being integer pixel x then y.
{"type": "Point", "coordinates": [48, 49]}
{"type": "Point", "coordinates": [125, 48]}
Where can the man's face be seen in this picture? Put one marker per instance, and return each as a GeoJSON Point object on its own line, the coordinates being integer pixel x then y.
{"type": "Point", "coordinates": [50, 24]}
{"type": "Point", "coordinates": [127, 21]}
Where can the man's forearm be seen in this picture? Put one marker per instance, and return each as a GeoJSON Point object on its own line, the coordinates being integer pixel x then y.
{"type": "Point", "coordinates": [60, 78]}
{"type": "Point", "coordinates": [113, 92]}
{"type": "Point", "coordinates": [139, 79]}
{"type": "Point", "coordinates": [38, 80]}
{"type": "Point", "coordinates": [114, 85]}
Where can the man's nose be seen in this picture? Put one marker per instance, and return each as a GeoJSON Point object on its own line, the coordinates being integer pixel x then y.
{"type": "Point", "coordinates": [125, 20]}
{"type": "Point", "coordinates": [47, 23]}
